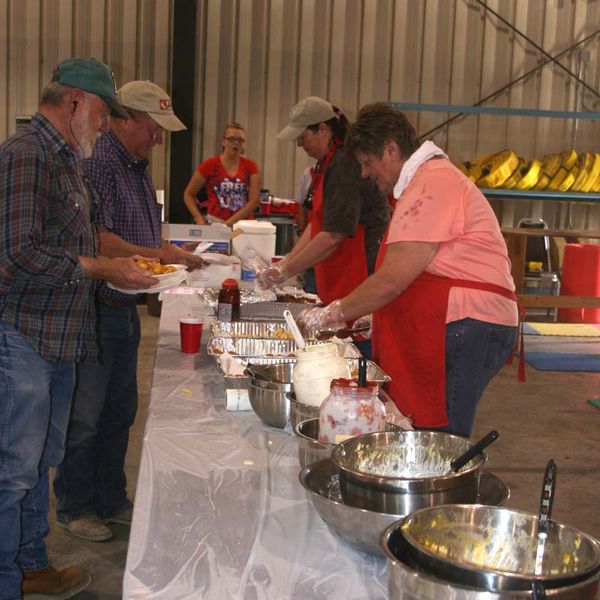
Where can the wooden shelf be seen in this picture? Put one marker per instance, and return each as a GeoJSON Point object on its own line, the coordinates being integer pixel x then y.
{"type": "Point", "coordinates": [516, 243]}
{"type": "Point", "coordinates": [547, 301]}
{"type": "Point", "coordinates": [500, 194]}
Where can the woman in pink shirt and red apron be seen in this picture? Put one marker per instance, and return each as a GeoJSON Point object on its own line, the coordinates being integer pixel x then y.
{"type": "Point", "coordinates": [444, 310]}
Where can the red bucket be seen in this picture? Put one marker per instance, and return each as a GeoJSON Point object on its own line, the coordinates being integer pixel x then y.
{"type": "Point", "coordinates": [580, 277]}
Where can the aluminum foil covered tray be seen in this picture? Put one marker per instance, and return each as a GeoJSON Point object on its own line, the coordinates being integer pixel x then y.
{"type": "Point", "coordinates": [270, 311]}
{"type": "Point", "coordinates": [210, 295]}
{"type": "Point", "coordinates": [252, 329]}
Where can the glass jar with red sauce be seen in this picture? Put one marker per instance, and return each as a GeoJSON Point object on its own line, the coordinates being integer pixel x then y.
{"type": "Point", "coordinates": [350, 410]}
{"type": "Point", "coordinates": [228, 308]}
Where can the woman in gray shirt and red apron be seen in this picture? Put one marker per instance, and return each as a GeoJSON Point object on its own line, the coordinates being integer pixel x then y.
{"type": "Point", "coordinates": [348, 215]}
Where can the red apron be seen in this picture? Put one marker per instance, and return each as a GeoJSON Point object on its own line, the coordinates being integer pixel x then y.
{"type": "Point", "coordinates": [344, 269]}
{"type": "Point", "coordinates": [409, 343]}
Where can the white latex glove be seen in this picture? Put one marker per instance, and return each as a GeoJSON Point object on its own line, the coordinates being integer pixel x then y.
{"type": "Point", "coordinates": [364, 320]}
{"type": "Point", "coordinates": [319, 317]}
{"type": "Point", "coordinates": [272, 276]}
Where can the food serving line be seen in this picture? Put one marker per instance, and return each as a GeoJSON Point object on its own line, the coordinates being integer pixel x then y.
{"type": "Point", "coordinates": [221, 510]}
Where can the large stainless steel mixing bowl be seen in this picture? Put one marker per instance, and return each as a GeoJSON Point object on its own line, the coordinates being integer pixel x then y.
{"type": "Point", "coordinates": [264, 375]}
{"type": "Point", "coordinates": [301, 412]}
{"type": "Point", "coordinates": [400, 472]}
{"type": "Point", "coordinates": [408, 581]}
{"type": "Point", "coordinates": [363, 528]}
{"type": "Point", "coordinates": [495, 548]}
{"type": "Point", "coordinates": [271, 405]}
{"type": "Point", "coordinates": [310, 449]}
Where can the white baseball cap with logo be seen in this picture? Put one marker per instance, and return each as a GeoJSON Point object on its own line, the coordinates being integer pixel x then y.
{"type": "Point", "coordinates": [147, 97]}
{"type": "Point", "coordinates": [309, 111]}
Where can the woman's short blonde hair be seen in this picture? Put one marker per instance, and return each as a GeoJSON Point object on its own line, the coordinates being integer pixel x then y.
{"type": "Point", "coordinates": [233, 125]}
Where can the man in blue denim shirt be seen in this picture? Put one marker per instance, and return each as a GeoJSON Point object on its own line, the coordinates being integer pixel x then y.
{"type": "Point", "coordinates": [48, 262]}
{"type": "Point", "coordinates": [90, 484]}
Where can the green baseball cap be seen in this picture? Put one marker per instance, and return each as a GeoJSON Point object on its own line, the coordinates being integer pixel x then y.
{"type": "Point", "coordinates": [92, 76]}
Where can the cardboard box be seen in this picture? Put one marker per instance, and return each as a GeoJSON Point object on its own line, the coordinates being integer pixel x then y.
{"type": "Point", "coordinates": [219, 235]}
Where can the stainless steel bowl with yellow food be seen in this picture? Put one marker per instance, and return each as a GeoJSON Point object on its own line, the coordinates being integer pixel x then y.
{"type": "Point", "coordinates": [408, 580]}
{"type": "Point", "coordinates": [495, 548]}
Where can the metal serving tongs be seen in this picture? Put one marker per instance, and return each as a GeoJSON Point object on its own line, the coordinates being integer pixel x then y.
{"type": "Point", "coordinates": [547, 499]}
{"type": "Point", "coordinates": [344, 332]}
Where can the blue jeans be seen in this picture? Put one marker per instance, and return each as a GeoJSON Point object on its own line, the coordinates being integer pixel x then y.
{"type": "Point", "coordinates": [475, 352]}
{"type": "Point", "coordinates": [91, 479]}
{"type": "Point", "coordinates": [35, 400]}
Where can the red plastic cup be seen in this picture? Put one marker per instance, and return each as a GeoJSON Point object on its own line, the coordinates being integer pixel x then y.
{"type": "Point", "coordinates": [191, 334]}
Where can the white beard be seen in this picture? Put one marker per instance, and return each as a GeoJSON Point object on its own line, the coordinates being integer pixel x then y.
{"type": "Point", "coordinates": [85, 139]}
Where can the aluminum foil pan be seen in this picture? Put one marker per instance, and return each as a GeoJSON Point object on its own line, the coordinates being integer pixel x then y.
{"type": "Point", "coordinates": [263, 347]}
{"type": "Point", "coordinates": [251, 347]}
{"type": "Point", "coordinates": [252, 329]}
{"type": "Point", "coordinates": [210, 295]}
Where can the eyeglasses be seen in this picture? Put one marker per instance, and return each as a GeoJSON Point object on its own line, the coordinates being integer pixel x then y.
{"type": "Point", "coordinates": [235, 140]}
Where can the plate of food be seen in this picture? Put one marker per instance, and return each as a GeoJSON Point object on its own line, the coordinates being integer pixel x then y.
{"type": "Point", "coordinates": [158, 270]}
{"type": "Point", "coordinates": [170, 280]}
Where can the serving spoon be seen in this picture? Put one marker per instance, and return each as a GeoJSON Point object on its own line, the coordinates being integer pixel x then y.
{"type": "Point", "coordinates": [289, 319]}
{"type": "Point", "coordinates": [473, 451]}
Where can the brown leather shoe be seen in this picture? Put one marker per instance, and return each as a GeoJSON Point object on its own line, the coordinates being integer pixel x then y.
{"type": "Point", "coordinates": [50, 584]}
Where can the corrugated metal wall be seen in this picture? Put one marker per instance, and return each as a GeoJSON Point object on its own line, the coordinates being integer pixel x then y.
{"type": "Point", "coordinates": [132, 36]}
{"type": "Point", "coordinates": [257, 58]}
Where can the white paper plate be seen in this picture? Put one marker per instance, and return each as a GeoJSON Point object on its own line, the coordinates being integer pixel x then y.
{"type": "Point", "coordinates": [174, 279]}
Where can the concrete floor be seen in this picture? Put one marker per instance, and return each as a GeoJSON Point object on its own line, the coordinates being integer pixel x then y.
{"type": "Point", "coordinates": [546, 417]}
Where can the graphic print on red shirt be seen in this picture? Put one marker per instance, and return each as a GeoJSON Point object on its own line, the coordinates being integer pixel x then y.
{"type": "Point", "coordinates": [226, 193]}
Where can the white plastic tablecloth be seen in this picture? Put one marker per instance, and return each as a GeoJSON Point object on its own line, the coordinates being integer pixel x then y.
{"type": "Point", "coordinates": [219, 511]}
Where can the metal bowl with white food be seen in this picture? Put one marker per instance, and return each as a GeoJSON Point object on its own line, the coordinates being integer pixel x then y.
{"type": "Point", "coordinates": [399, 472]}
